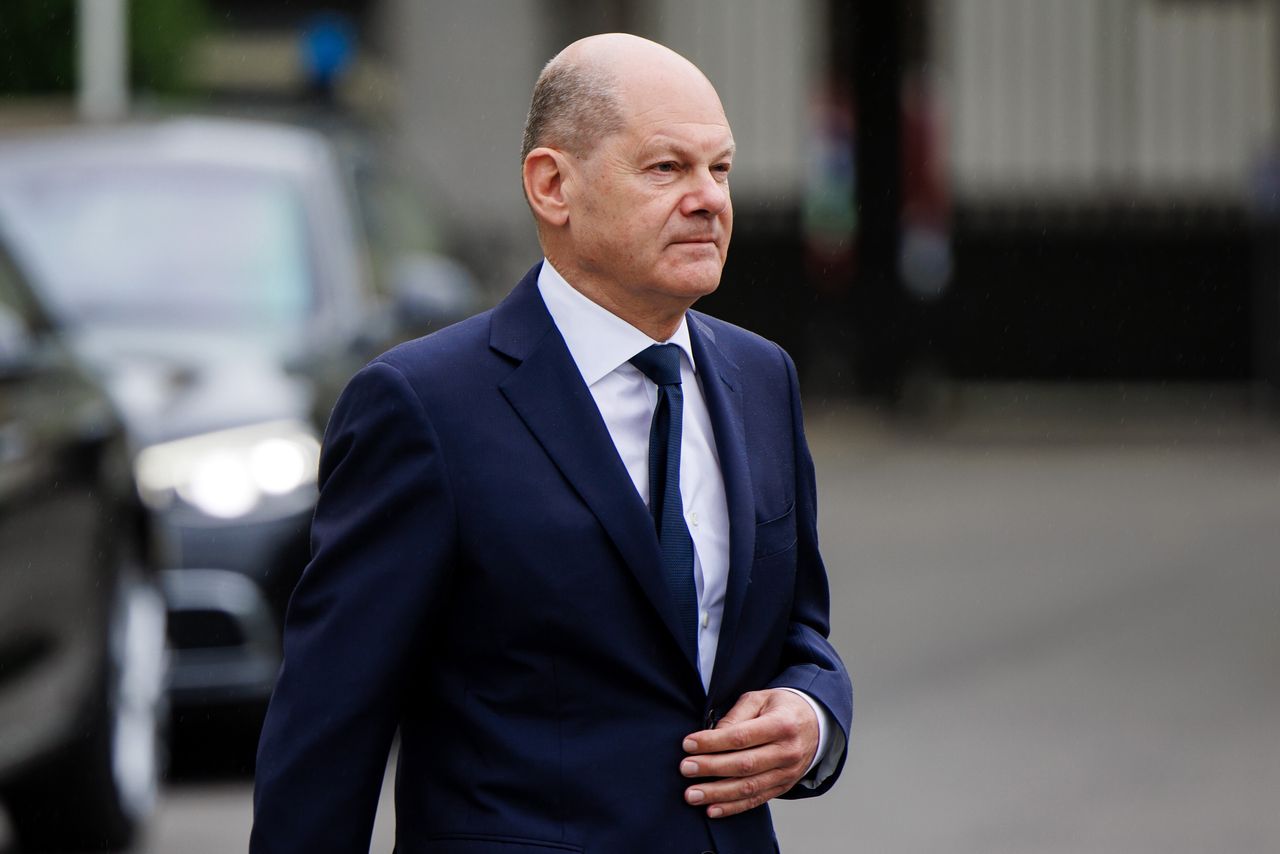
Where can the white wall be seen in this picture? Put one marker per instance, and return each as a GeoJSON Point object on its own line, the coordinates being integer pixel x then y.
{"type": "Point", "coordinates": [1093, 99]}
{"type": "Point", "coordinates": [466, 70]}
{"type": "Point", "coordinates": [765, 58]}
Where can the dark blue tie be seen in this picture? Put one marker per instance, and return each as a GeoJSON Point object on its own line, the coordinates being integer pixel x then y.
{"type": "Point", "coordinates": [661, 363]}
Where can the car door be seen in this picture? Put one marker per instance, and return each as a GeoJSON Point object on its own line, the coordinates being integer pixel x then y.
{"type": "Point", "coordinates": [52, 422]}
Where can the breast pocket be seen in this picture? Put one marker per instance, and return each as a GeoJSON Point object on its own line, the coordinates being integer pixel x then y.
{"type": "Point", "coordinates": [777, 534]}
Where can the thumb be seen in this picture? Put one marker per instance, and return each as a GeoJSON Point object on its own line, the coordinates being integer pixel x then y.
{"type": "Point", "coordinates": [747, 708]}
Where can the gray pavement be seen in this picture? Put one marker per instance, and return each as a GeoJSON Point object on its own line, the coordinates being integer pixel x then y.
{"type": "Point", "coordinates": [1065, 635]}
{"type": "Point", "coordinates": [1062, 612]}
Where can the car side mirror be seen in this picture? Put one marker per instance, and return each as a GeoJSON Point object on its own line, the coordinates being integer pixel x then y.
{"type": "Point", "coordinates": [430, 291]}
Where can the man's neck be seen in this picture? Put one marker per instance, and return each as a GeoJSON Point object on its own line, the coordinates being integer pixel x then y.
{"type": "Point", "coordinates": [658, 322]}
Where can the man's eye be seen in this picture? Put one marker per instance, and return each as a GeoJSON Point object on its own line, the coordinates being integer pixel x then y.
{"type": "Point", "coordinates": [665, 167]}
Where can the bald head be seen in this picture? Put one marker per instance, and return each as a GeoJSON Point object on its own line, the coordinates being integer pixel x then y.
{"type": "Point", "coordinates": [587, 91]}
{"type": "Point", "coordinates": [626, 172]}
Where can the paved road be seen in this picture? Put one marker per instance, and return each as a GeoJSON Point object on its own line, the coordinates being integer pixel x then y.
{"type": "Point", "coordinates": [1064, 632]}
{"type": "Point", "coordinates": [1058, 645]}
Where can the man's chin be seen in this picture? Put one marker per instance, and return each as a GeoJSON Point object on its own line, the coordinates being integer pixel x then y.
{"type": "Point", "coordinates": [692, 291]}
{"type": "Point", "coordinates": [695, 280]}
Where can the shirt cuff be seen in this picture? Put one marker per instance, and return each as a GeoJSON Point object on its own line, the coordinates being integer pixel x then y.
{"type": "Point", "coordinates": [831, 744]}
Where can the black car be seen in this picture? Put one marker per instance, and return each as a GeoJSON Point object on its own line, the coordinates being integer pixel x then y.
{"type": "Point", "coordinates": [82, 620]}
{"type": "Point", "coordinates": [212, 271]}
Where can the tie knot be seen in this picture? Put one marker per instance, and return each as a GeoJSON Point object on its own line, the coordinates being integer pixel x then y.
{"type": "Point", "coordinates": [660, 363]}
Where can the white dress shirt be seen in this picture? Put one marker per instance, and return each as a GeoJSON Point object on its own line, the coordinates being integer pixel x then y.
{"type": "Point", "coordinates": [602, 344]}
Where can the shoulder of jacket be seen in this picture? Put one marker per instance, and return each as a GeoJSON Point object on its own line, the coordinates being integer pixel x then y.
{"type": "Point", "coordinates": [441, 349]}
{"type": "Point", "coordinates": [735, 341]}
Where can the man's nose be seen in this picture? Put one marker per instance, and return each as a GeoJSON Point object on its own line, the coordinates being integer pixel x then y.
{"type": "Point", "coordinates": [709, 194]}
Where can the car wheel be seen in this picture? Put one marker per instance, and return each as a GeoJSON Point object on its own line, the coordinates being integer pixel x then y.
{"type": "Point", "coordinates": [98, 791]}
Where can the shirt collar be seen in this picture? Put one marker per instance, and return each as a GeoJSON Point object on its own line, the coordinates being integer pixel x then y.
{"type": "Point", "coordinates": [598, 340]}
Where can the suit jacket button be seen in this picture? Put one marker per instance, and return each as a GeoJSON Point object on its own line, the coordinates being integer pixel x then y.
{"type": "Point", "coordinates": [711, 720]}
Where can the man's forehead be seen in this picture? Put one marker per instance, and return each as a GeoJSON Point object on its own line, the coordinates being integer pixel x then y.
{"type": "Point", "coordinates": [692, 118]}
{"type": "Point", "coordinates": [676, 87]}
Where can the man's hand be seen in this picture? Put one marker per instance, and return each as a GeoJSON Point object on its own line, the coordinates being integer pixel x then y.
{"type": "Point", "coordinates": [760, 749]}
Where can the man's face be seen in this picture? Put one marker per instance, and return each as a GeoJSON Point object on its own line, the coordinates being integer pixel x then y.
{"type": "Point", "coordinates": [650, 216]}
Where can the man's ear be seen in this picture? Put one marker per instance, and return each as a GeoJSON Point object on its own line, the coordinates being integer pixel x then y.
{"type": "Point", "coordinates": [544, 177]}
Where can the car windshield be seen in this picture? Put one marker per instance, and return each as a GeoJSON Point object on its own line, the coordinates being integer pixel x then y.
{"type": "Point", "coordinates": [164, 246]}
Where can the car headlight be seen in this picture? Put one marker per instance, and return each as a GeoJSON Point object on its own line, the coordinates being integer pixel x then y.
{"type": "Point", "coordinates": [228, 473]}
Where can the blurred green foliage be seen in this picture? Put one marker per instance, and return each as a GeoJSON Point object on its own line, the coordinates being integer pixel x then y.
{"type": "Point", "coordinates": [37, 46]}
{"type": "Point", "coordinates": [38, 49]}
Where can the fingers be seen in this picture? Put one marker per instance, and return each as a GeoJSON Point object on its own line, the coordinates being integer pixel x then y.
{"type": "Point", "coordinates": [723, 800]}
{"type": "Point", "coordinates": [749, 706]}
{"type": "Point", "coordinates": [740, 763]}
{"type": "Point", "coordinates": [759, 718]}
{"type": "Point", "coordinates": [736, 736]}
{"type": "Point", "coordinates": [747, 778]}
{"type": "Point", "coordinates": [760, 749]}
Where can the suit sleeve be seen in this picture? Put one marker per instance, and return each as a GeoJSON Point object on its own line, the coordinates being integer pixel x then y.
{"type": "Point", "coordinates": [382, 547]}
{"type": "Point", "coordinates": [810, 663]}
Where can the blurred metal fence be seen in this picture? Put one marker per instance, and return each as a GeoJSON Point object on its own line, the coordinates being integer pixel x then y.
{"type": "Point", "coordinates": [1088, 101]}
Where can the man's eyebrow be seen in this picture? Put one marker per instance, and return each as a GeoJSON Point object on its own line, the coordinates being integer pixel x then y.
{"type": "Point", "coordinates": [663, 146]}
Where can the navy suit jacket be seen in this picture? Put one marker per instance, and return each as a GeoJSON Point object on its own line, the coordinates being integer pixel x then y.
{"type": "Point", "coordinates": [486, 579]}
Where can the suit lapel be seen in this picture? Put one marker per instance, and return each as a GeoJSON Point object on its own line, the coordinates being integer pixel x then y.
{"type": "Point", "coordinates": [722, 387]}
{"type": "Point", "coordinates": [547, 392]}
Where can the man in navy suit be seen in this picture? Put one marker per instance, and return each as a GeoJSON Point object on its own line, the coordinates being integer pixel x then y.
{"type": "Point", "coordinates": [568, 547]}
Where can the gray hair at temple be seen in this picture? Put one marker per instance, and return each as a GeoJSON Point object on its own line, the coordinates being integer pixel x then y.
{"type": "Point", "coordinates": [574, 106]}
